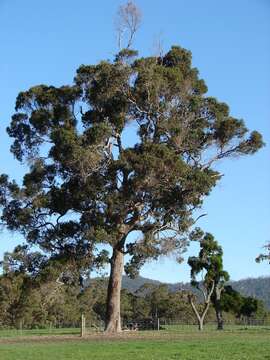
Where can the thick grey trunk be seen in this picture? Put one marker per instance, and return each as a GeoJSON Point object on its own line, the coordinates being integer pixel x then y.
{"type": "Point", "coordinates": [113, 318]}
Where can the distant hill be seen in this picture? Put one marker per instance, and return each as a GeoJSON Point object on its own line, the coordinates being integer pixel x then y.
{"type": "Point", "coordinates": [134, 284]}
{"type": "Point", "coordinates": [257, 287]}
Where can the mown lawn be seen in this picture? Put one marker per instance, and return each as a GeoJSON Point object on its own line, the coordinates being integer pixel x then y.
{"type": "Point", "coordinates": [251, 344]}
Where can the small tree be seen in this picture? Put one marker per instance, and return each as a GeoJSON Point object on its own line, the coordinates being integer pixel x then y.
{"type": "Point", "coordinates": [249, 306]}
{"type": "Point", "coordinates": [241, 306]}
{"type": "Point", "coordinates": [209, 264]}
{"type": "Point", "coordinates": [231, 300]}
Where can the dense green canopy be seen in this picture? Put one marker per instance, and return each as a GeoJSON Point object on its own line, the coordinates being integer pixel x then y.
{"type": "Point", "coordinates": [79, 192]}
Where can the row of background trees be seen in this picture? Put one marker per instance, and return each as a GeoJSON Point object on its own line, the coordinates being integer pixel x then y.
{"type": "Point", "coordinates": [30, 298]}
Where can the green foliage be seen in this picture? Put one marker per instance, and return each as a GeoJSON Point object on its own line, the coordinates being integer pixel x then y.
{"type": "Point", "coordinates": [208, 260]}
{"type": "Point", "coordinates": [85, 188]}
{"type": "Point", "coordinates": [266, 255]}
{"type": "Point", "coordinates": [242, 306]}
{"type": "Point", "coordinates": [53, 297]}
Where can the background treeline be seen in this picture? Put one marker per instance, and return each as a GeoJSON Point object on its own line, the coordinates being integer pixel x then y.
{"type": "Point", "coordinates": [29, 302]}
{"type": "Point", "coordinates": [254, 287]}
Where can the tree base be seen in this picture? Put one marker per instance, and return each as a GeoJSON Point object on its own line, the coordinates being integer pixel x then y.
{"type": "Point", "coordinates": [114, 327]}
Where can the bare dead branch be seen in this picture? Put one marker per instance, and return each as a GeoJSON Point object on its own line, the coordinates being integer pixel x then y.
{"type": "Point", "coordinates": [127, 23]}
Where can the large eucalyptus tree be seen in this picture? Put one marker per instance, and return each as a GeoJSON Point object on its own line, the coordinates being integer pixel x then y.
{"type": "Point", "coordinates": [89, 187]}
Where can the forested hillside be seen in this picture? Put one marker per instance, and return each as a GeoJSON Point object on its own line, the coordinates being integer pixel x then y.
{"type": "Point", "coordinates": [257, 287]}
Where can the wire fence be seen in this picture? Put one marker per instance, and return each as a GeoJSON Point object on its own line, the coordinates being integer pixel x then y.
{"type": "Point", "coordinates": [86, 326]}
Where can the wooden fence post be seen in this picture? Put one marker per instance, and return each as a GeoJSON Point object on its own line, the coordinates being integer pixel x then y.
{"type": "Point", "coordinates": [82, 325]}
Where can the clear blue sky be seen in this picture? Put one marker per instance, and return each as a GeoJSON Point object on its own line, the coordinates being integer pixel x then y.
{"type": "Point", "coordinates": [45, 41]}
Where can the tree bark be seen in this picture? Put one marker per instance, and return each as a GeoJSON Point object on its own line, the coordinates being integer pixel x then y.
{"type": "Point", "coordinates": [218, 310]}
{"type": "Point", "coordinates": [200, 318]}
{"type": "Point", "coordinates": [113, 318]}
{"type": "Point", "coordinates": [207, 298]}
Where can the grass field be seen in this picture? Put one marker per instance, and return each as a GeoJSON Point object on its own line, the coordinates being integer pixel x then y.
{"type": "Point", "coordinates": [182, 344]}
{"type": "Point", "coordinates": [13, 333]}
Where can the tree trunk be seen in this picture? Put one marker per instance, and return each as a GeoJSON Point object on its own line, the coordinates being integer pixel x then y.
{"type": "Point", "coordinates": [219, 318]}
{"type": "Point", "coordinates": [201, 324]}
{"type": "Point", "coordinates": [207, 297]}
{"type": "Point", "coordinates": [218, 310]}
{"type": "Point", "coordinates": [200, 318]}
{"type": "Point", "coordinates": [113, 319]}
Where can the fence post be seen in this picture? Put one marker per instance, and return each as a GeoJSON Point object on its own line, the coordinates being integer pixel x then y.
{"type": "Point", "coordinates": [82, 325]}
{"type": "Point", "coordinates": [21, 327]}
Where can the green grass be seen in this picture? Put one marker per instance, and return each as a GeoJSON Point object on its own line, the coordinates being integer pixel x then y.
{"type": "Point", "coordinates": [233, 344]}
{"type": "Point", "coordinates": [11, 333]}
{"type": "Point", "coordinates": [213, 327]}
